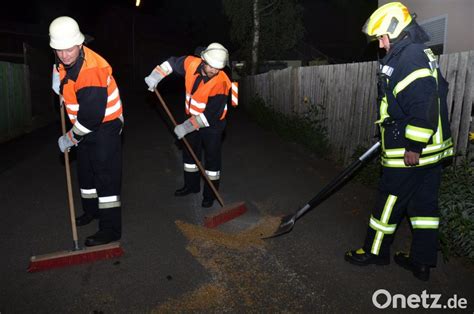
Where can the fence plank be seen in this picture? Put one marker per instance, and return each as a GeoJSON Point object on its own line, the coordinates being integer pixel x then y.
{"type": "Point", "coordinates": [467, 100]}
{"type": "Point", "coordinates": [350, 130]}
{"type": "Point", "coordinates": [458, 96]}
{"type": "Point", "coordinates": [451, 70]}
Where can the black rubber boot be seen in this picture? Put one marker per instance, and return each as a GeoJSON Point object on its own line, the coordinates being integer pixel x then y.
{"type": "Point", "coordinates": [101, 237]}
{"type": "Point", "coordinates": [361, 258]}
{"type": "Point", "coordinates": [191, 184]}
{"type": "Point", "coordinates": [84, 219]}
{"type": "Point", "coordinates": [91, 211]}
{"type": "Point", "coordinates": [420, 271]}
{"type": "Point", "coordinates": [184, 191]}
{"type": "Point", "coordinates": [208, 194]}
{"type": "Point", "coordinates": [110, 221]}
{"type": "Point", "coordinates": [206, 203]}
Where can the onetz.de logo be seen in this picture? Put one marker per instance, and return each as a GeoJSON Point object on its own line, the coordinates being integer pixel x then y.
{"type": "Point", "coordinates": [383, 299]}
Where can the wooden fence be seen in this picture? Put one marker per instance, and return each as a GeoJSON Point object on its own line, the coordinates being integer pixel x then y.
{"type": "Point", "coordinates": [347, 93]}
{"type": "Point", "coordinates": [15, 105]}
{"type": "Point", "coordinates": [26, 99]}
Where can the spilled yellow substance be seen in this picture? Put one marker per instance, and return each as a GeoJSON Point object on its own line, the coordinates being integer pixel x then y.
{"type": "Point", "coordinates": [244, 276]}
{"type": "Point", "coordinates": [242, 240]}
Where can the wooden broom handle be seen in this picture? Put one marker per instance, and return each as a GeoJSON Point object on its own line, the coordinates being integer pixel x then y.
{"type": "Point", "coordinates": [68, 181]}
{"type": "Point", "coordinates": [190, 150]}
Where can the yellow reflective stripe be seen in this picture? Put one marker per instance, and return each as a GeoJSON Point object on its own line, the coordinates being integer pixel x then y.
{"type": "Point", "coordinates": [424, 222]}
{"type": "Point", "coordinates": [437, 147]}
{"type": "Point", "coordinates": [438, 136]}
{"type": "Point", "coordinates": [394, 152]}
{"type": "Point", "coordinates": [418, 134]}
{"type": "Point", "coordinates": [410, 78]}
{"type": "Point", "coordinates": [387, 211]}
{"type": "Point", "coordinates": [399, 162]}
{"type": "Point", "coordinates": [432, 148]}
{"type": "Point", "coordinates": [383, 110]}
{"type": "Point", "coordinates": [377, 225]}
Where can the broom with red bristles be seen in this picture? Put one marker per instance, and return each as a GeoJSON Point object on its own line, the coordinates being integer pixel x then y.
{"type": "Point", "coordinates": [77, 255]}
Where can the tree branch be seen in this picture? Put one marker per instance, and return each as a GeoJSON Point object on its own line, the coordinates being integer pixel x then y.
{"type": "Point", "coordinates": [273, 4]}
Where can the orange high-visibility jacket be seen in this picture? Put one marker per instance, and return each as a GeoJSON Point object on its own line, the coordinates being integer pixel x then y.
{"type": "Point", "coordinates": [209, 97]}
{"type": "Point", "coordinates": [90, 93]}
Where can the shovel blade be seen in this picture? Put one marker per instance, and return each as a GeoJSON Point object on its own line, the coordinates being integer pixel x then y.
{"type": "Point", "coordinates": [286, 225]}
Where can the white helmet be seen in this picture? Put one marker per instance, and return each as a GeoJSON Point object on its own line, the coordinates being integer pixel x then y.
{"type": "Point", "coordinates": [215, 55]}
{"type": "Point", "coordinates": [64, 33]}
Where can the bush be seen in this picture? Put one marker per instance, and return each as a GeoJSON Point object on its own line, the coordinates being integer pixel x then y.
{"type": "Point", "coordinates": [456, 202]}
{"type": "Point", "coordinates": [306, 129]}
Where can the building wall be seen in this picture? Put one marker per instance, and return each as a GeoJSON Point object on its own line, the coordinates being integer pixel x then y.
{"type": "Point", "coordinates": [460, 21]}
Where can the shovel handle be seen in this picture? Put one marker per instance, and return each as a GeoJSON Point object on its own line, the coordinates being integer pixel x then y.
{"type": "Point", "coordinates": [337, 181]}
{"type": "Point", "coordinates": [191, 151]}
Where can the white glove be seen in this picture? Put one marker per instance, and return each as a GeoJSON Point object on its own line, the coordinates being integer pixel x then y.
{"type": "Point", "coordinates": [66, 141]}
{"type": "Point", "coordinates": [190, 125]}
{"type": "Point", "coordinates": [184, 128]}
{"type": "Point", "coordinates": [158, 73]}
{"type": "Point", "coordinates": [55, 80]}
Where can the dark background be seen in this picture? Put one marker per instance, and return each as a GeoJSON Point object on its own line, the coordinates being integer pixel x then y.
{"type": "Point", "coordinates": [134, 40]}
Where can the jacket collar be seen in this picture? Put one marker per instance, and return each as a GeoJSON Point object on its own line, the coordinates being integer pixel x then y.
{"type": "Point", "coordinates": [395, 49]}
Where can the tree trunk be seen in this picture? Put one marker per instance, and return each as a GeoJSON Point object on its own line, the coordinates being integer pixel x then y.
{"type": "Point", "coordinates": [256, 37]}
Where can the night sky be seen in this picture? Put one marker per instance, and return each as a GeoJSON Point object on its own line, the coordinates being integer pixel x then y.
{"type": "Point", "coordinates": [332, 26]}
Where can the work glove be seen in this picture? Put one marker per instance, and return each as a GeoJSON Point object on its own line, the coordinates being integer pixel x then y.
{"type": "Point", "coordinates": [55, 80]}
{"type": "Point", "coordinates": [190, 125]}
{"type": "Point", "coordinates": [158, 73]}
{"type": "Point", "coordinates": [68, 140]}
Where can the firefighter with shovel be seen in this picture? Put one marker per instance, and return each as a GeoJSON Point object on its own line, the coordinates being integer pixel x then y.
{"type": "Point", "coordinates": [416, 139]}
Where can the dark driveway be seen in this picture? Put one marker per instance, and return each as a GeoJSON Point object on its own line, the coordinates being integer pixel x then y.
{"type": "Point", "coordinates": [171, 263]}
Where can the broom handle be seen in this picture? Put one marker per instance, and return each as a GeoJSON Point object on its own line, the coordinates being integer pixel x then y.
{"type": "Point", "coordinates": [190, 150]}
{"type": "Point", "coordinates": [69, 184]}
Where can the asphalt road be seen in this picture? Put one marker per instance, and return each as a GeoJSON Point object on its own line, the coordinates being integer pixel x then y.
{"type": "Point", "coordinates": [172, 263]}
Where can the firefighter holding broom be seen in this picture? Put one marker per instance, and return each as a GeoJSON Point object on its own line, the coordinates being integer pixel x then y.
{"type": "Point", "coordinates": [207, 90]}
{"type": "Point", "coordinates": [89, 92]}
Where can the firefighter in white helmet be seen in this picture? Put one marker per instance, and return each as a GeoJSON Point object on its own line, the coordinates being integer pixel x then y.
{"type": "Point", "coordinates": [89, 92]}
{"type": "Point", "coordinates": [207, 89]}
{"type": "Point", "coordinates": [416, 140]}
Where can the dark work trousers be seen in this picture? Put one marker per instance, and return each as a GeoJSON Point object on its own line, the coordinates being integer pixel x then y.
{"type": "Point", "coordinates": [99, 168]}
{"type": "Point", "coordinates": [412, 192]}
{"type": "Point", "coordinates": [208, 141]}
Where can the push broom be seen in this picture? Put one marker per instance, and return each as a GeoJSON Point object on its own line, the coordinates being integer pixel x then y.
{"type": "Point", "coordinates": [77, 255]}
{"type": "Point", "coordinates": [227, 212]}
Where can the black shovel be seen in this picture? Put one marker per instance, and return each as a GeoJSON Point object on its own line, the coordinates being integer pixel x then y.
{"type": "Point", "coordinates": [287, 222]}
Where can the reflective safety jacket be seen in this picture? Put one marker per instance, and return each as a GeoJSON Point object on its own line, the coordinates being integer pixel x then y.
{"type": "Point", "coordinates": [89, 92]}
{"type": "Point", "coordinates": [205, 97]}
{"type": "Point", "coordinates": [413, 113]}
